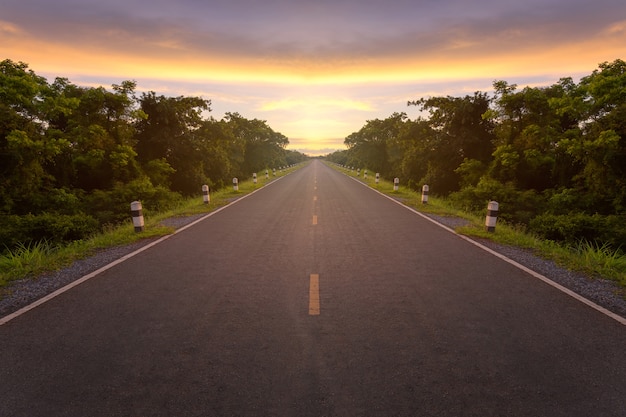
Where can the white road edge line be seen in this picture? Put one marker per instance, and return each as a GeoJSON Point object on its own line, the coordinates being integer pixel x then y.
{"type": "Point", "coordinates": [535, 274]}
{"type": "Point", "coordinates": [23, 310]}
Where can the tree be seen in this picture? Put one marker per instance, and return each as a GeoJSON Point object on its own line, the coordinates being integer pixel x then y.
{"type": "Point", "coordinates": [25, 147]}
{"type": "Point", "coordinates": [458, 132]}
{"type": "Point", "coordinates": [295, 157]}
{"type": "Point", "coordinates": [369, 146]}
{"type": "Point", "coordinates": [598, 144]}
{"type": "Point", "coordinates": [528, 131]}
{"type": "Point", "coordinates": [169, 133]}
{"type": "Point", "coordinates": [262, 146]}
{"type": "Point", "coordinates": [416, 145]}
{"type": "Point", "coordinates": [222, 152]}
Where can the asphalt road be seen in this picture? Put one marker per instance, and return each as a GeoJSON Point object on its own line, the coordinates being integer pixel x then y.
{"type": "Point", "coordinates": [315, 296]}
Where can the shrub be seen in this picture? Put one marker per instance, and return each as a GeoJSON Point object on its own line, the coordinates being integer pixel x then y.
{"type": "Point", "coordinates": [113, 206]}
{"type": "Point", "coordinates": [51, 227]}
{"type": "Point", "coordinates": [515, 206]}
{"type": "Point", "coordinates": [574, 227]}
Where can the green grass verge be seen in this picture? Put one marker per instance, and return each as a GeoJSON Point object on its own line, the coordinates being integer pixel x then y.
{"type": "Point", "coordinates": [30, 261]}
{"type": "Point", "coordinates": [593, 260]}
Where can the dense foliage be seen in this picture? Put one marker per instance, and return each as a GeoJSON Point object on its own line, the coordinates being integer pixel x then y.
{"type": "Point", "coordinates": [553, 157]}
{"type": "Point", "coordinates": [73, 158]}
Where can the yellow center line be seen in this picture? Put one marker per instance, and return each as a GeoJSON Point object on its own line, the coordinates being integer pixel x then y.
{"type": "Point", "coordinates": [314, 295]}
{"type": "Point", "coordinates": [315, 198]}
{"type": "Point", "coordinates": [314, 220]}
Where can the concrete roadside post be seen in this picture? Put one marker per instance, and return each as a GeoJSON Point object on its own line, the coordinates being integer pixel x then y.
{"type": "Point", "coordinates": [396, 184]}
{"type": "Point", "coordinates": [205, 194]}
{"type": "Point", "coordinates": [267, 174]}
{"type": "Point", "coordinates": [136, 211]}
{"type": "Point", "coordinates": [492, 216]}
{"type": "Point", "coordinates": [254, 178]}
{"type": "Point", "coordinates": [235, 184]}
{"type": "Point", "coordinates": [425, 194]}
{"type": "Point", "coordinates": [377, 177]}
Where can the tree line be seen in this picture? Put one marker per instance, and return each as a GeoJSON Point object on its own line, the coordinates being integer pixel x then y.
{"type": "Point", "coordinates": [72, 158]}
{"type": "Point", "coordinates": [554, 157]}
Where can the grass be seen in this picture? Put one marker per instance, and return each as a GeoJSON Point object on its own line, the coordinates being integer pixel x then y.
{"type": "Point", "coordinates": [601, 259]}
{"type": "Point", "coordinates": [596, 261]}
{"type": "Point", "coordinates": [31, 260]}
{"type": "Point", "coordinates": [25, 259]}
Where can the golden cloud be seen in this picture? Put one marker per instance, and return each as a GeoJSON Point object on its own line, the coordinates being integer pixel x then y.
{"type": "Point", "coordinates": [8, 28]}
{"type": "Point", "coordinates": [618, 28]}
{"type": "Point", "coordinates": [317, 104]}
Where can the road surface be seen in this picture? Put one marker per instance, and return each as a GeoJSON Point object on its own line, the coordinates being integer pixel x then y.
{"type": "Point", "coordinates": [314, 296]}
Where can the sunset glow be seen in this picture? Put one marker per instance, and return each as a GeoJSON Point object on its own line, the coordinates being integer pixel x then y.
{"type": "Point", "coordinates": [315, 72]}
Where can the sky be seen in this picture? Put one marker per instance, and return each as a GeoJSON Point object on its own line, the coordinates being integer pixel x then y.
{"type": "Point", "coordinates": [315, 70]}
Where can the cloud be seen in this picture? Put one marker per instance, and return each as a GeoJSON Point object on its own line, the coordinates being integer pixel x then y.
{"type": "Point", "coordinates": [317, 104]}
{"type": "Point", "coordinates": [616, 29]}
{"type": "Point", "coordinates": [307, 42]}
{"type": "Point", "coordinates": [9, 29]}
{"type": "Point", "coordinates": [317, 152]}
{"type": "Point", "coordinates": [299, 34]}
{"type": "Point", "coordinates": [319, 147]}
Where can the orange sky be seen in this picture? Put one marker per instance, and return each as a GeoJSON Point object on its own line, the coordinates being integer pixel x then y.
{"type": "Point", "coordinates": [313, 74]}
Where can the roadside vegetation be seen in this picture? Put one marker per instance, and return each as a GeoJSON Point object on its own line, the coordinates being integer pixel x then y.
{"type": "Point", "coordinates": [595, 260]}
{"type": "Point", "coordinates": [31, 259]}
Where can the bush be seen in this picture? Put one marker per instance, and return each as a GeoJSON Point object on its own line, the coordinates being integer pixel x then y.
{"type": "Point", "coordinates": [567, 200]}
{"type": "Point", "coordinates": [51, 227]}
{"type": "Point", "coordinates": [113, 206]}
{"type": "Point", "coordinates": [72, 216]}
{"type": "Point", "coordinates": [57, 200]}
{"type": "Point", "coordinates": [574, 227]}
{"type": "Point", "coordinates": [515, 206]}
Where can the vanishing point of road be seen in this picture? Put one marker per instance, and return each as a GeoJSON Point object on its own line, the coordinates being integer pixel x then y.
{"type": "Point", "coordinates": [314, 296]}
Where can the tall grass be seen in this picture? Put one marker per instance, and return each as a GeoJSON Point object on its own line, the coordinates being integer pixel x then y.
{"type": "Point", "coordinates": [25, 259]}
{"type": "Point", "coordinates": [601, 259]}
{"type": "Point", "coordinates": [33, 259]}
